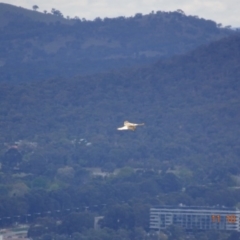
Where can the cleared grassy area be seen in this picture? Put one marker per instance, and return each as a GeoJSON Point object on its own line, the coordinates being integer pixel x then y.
{"type": "Point", "coordinates": [11, 10]}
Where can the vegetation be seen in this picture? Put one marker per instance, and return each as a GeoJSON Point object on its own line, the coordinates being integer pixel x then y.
{"type": "Point", "coordinates": [63, 162]}
{"type": "Point", "coordinates": [40, 46]}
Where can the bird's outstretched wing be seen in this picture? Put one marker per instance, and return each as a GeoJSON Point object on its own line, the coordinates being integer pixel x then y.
{"type": "Point", "coordinates": [123, 128]}
{"type": "Point", "coordinates": [127, 128]}
{"type": "Point", "coordinates": [126, 123]}
{"type": "Point", "coordinates": [130, 126]}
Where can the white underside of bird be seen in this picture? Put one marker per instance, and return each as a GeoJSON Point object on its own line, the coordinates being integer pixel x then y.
{"type": "Point", "coordinates": [130, 126]}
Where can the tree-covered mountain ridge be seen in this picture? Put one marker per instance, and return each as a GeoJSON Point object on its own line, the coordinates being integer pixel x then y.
{"type": "Point", "coordinates": [54, 131]}
{"type": "Point", "coordinates": [190, 106]}
{"type": "Point", "coordinates": [35, 45]}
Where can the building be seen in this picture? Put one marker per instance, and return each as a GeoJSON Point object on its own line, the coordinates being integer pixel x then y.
{"type": "Point", "coordinates": [195, 218]}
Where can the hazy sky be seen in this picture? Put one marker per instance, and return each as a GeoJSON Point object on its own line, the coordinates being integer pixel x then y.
{"type": "Point", "coordinates": [226, 12]}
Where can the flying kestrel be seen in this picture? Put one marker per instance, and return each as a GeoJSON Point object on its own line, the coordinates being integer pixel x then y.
{"type": "Point", "coordinates": [130, 126]}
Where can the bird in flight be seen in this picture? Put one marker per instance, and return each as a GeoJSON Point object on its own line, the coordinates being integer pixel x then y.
{"type": "Point", "coordinates": [130, 126]}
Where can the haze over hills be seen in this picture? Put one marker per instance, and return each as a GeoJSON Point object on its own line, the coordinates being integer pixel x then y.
{"type": "Point", "coordinates": [54, 132]}
{"type": "Point", "coordinates": [190, 105]}
{"type": "Point", "coordinates": [37, 46]}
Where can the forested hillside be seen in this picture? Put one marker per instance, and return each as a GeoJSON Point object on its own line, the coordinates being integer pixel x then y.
{"type": "Point", "coordinates": [37, 46]}
{"type": "Point", "coordinates": [63, 162]}
{"type": "Point", "coordinates": [190, 106]}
